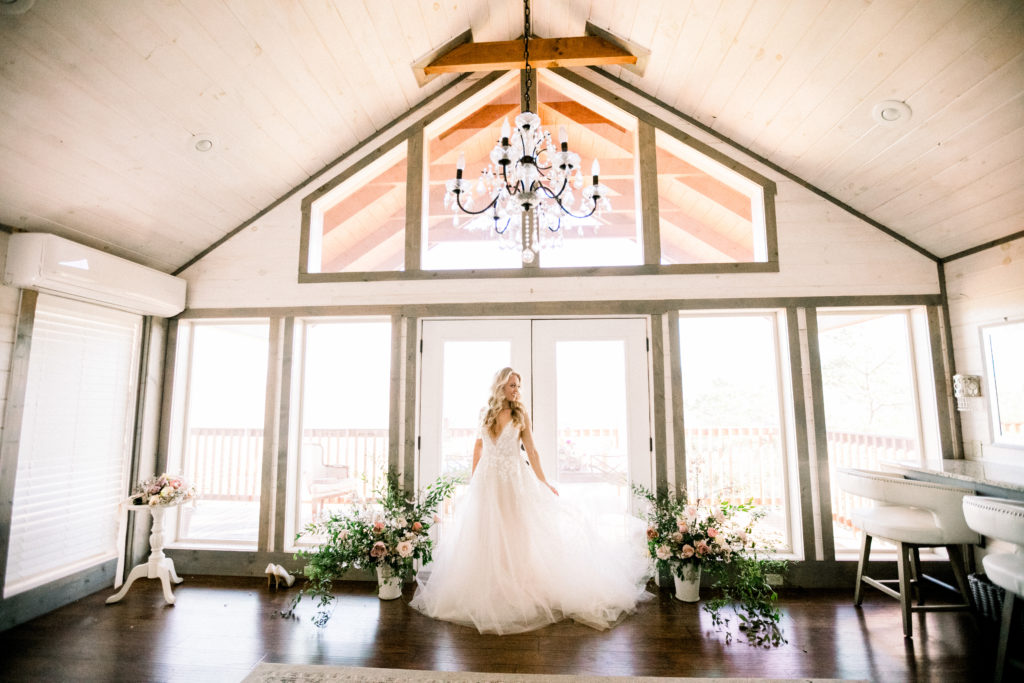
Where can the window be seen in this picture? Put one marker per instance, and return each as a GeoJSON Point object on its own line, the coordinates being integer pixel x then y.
{"type": "Point", "coordinates": [359, 225]}
{"type": "Point", "coordinates": [707, 212]}
{"type": "Point", "coordinates": [875, 381]}
{"type": "Point", "coordinates": [343, 414]}
{"type": "Point", "coordinates": [736, 445]}
{"type": "Point", "coordinates": [217, 428]}
{"type": "Point", "coordinates": [75, 442]}
{"type": "Point", "coordinates": [712, 210]}
{"type": "Point", "coordinates": [1004, 363]}
{"type": "Point", "coordinates": [453, 240]}
{"type": "Point", "coordinates": [596, 130]}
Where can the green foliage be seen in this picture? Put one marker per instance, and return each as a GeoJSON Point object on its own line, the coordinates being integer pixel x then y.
{"type": "Point", "coordinates": [394, 533]}
{"type": "Point", "coordinates": [719, 537]}
{"type": "Point", "coordinates": [745, 590]}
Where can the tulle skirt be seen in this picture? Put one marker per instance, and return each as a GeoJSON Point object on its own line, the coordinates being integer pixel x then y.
{"type": "Point", "coordinates": [517, 558]}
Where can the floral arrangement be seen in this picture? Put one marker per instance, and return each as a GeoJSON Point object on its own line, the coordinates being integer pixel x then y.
{"type": "Point", "coordinates": [163, 490]}
{"type": "Point", "coordinates": [719, 537]}
{"type": "Point", "coordinates": [392, 533]}
{"type": "Point", "coordinates": [681, 533]}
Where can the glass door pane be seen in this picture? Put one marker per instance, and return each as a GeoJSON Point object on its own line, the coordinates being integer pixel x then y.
{"type": "Point", "coordinates": [735, 445]}
{"type": "Point", "coordinates": [590, 412]}
{"type": "Point", "coordinates": [871, 410]}
{"type": "Point", "coordinates": [460, 359]}
{"type": "Point", "coordinates": [344, 413]}
{"type": "Point", "coordinates": [223, 449]}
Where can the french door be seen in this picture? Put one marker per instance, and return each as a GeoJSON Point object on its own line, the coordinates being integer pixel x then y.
{"type": "Point", "coordinates": [585, 384]}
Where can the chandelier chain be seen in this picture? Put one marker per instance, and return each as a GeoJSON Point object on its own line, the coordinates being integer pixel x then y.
{"type": "Point", "coordinates": [526, 54]}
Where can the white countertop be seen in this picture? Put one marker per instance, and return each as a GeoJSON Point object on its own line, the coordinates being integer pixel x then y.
{"type": "Point", "coordinates": [999, 474]}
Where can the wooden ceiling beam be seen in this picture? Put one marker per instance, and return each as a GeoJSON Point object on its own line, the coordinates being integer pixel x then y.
{"type": "Point", "coordinates": [547, 53]}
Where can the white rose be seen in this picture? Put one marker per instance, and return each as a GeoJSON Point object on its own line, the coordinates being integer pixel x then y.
{"type": "Point", "coordinates": [405, 548]}
{"type": "Point", "coordinates": [663, 552]}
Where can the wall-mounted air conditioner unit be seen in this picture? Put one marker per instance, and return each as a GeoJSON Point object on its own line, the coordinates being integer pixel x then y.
{"type": "Point", "coordinates": [52, 264]}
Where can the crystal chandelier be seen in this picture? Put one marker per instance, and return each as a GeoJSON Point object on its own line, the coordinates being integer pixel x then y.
{"type": "Point", "coordinates": [528, 184]}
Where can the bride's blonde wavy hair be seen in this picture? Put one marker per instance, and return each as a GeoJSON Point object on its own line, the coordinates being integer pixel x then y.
{"type": "Point", "coordinates": [497, 402]}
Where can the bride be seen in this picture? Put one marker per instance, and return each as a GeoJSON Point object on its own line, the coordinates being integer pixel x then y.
{"type": "Point", "coordinates": [517, 558]}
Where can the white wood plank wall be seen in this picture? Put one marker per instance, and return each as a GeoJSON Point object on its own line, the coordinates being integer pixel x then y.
{"type": "Point", "coordinates": [983, 288]}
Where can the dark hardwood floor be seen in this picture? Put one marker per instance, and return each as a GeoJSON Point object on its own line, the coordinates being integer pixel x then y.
{"type": "Point", "coordinates": [221, 627]}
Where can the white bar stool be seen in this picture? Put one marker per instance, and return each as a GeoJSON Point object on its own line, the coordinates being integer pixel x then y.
{"type": "Point", "coordinates": [1002, 519]}
{"type": "Point", "coordinates": [912, 515]}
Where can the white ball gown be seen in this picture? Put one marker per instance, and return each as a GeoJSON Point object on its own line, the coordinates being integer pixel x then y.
{"type": "Point", "coordinates": [518, 558]}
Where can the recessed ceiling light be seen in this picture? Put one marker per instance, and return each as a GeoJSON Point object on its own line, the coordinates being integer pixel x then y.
{"type": "Point", "coordinates": [202, 142]}
{"type": "Point", "coordinates": [888, 112]}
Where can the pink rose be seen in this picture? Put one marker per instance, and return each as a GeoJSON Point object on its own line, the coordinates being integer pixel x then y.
{"type": "Point", "coordinates": [378, 527]}
{"type": "Point", "coordinates": [652, 533]}
{"type": "Point", "coordinates": [712, 532]}
{"type": "Point", "coordinates": [702, 548]}
{"type": "Point", "coordinates": [416, 526]}
{"type": "Point", "coordinates": [686, 552]}
{"type": "Point", "coordinates": [378, 549]}
{"type": "Point", "coordinates": [663, 552]}
{"type": "Point", "coordinates": [691, 512]}
{"type": "Point", "coordinates": [677, 537]}
{"type": "Point", "coordinates": [683, 526]}
{"type": "Point", "coordinates": [404, 548]}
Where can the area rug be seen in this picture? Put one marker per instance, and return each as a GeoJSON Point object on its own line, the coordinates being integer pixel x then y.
{"type": "Point", "coordinates": [296, 673]}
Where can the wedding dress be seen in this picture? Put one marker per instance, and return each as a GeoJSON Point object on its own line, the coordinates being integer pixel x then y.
{"type": "Point", "coordinates": [518, 558]}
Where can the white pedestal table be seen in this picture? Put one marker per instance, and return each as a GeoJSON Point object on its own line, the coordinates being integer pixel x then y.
{"type": "Point", "coordinates": [158, 566]}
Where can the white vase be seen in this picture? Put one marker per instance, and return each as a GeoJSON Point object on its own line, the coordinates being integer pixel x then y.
{"type": "Point", "coordinates": [389, 586]}
{"type": "Point", "coordinates": [688, 588]}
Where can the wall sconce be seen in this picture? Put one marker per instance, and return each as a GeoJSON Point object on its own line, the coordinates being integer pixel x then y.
{"type": "Point", "coordinates": [965, 387]}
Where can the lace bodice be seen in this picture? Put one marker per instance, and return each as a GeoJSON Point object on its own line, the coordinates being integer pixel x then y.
{"type": "Point", "coordinates": [502, 454]}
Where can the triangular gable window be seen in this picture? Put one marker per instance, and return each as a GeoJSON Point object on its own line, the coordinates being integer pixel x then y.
{"type": "Point", "coordinates": [702, 209]}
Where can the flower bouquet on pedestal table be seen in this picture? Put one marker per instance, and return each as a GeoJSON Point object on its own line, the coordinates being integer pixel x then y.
{"type": "Point", "coordinates": [387, 536]}
{"type": "Point", "coordinates": [686, 539]}
{"type": "Point", "coordinates": [164, 491]}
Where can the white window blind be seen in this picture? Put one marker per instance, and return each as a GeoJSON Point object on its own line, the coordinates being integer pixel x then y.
{"type": "Point", "coordinates": [75, 442]}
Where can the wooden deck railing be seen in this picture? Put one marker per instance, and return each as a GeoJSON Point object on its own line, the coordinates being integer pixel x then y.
{"type": "Point", "coordinates": [743, 462]}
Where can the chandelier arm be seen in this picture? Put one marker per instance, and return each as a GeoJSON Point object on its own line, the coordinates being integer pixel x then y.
{"type": "Point", "coordinates": [556, 195]}
{"type": "Point", "coordinates": [511, 189]}
{"type": "Point", "coordinates": [570, 213]}
{"type": "Point", "coordinates": [458, 202]}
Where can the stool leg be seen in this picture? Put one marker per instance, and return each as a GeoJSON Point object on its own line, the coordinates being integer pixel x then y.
{"type": "Point", "coordinates": [903, 567]}
{"type": "Point", "coordinates": [865, 550]}
{"type": "Point", "coordinates": [1009, 603]}
{"type": "Point", "coordinates": [956, 558]}
{"type": "Point", "coordinates": [915, 574]}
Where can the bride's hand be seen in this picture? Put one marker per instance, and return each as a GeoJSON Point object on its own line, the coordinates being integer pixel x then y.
{"type": "Point", "coordinates": [553, 489]}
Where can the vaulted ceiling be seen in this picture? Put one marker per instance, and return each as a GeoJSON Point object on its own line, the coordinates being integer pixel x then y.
{"type": "Point", "coordinates": [102, 102]}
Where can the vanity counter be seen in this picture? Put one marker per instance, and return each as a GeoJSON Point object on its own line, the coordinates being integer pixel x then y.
{"type": "Point", "coordinates": [987, 478]}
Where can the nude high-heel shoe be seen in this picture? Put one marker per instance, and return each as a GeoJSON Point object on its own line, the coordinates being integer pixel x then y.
{"type": "Point", "coordinates": [272, 575]}
{"type": "Point", "coordinates": [282, 575]}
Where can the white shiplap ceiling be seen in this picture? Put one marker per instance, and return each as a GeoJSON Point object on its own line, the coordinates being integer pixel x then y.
{"type": "Point", "coordinates": [100, 100]}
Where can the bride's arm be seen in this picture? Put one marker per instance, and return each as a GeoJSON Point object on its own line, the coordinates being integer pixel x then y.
{"type": "Point", "coordinates": [531, 452]}
{"type": "Point", "coordinates": [478, 448]}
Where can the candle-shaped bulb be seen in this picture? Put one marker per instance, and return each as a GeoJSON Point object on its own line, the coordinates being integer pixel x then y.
{"type": "Point", "coordinates": [595, 170]}
{"type": "Point", "coordinates": [505, 130]}
{"type": "Point", "coordinates": [563, 135]}
{"type": "Point", "coordinates": [460, 165]}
